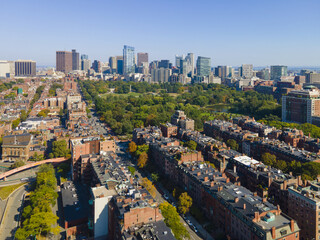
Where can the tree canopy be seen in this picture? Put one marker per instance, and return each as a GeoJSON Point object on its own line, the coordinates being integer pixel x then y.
{"type": "Point", "coordinates": [172, 220]}
{"type": "Point", "coordinates": [38, 218]}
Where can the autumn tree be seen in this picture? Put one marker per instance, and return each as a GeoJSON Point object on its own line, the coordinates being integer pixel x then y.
{"type": "Point", "coordinates": [185, 202]}
{"type": "Point", "coordinates": [132, 147]}
{"type": "Point", "coordinates": [142, 160]}
{"type": "Point", "coordinates": [147, 184]}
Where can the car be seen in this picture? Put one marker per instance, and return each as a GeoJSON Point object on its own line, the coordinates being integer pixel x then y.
{"type": "Point", "coordinates": [165, 197]}
{"type": "Point", "coordinates": [189, 223]}
{"type": "Point", "coordinates": [194, 228]}
{"type": "Point", "coordinates": [24, 179]}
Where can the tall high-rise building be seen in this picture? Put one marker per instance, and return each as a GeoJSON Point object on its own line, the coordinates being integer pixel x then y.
{"type": "Point", "coordinates": [25, 68]}
{"type": "Point", "coordinates": [96, 66]}
{"type": "Point", "coordinates": [312, 77]}
{"type": "Point", "coordinates": [300, 105]}
{"type": "Point", "coordinates": [142, 57]}
{"type": "Point", "coordinates": [264, 74]}
{"type": "Point", "coordinates": [64, 61]}
{"type": "Point", "coordinates": [178, 59]}
{"type": "Point", "coordinates": [184, 66]}
{"type": "Point", "coordinates": [84, 56]}
{"type": "Point", "coordinates": [120, 66]}
{"type": "Point", "coordinates": [4, 69]}
{"type": "Point", "coordinates": [190, 64]}
{"type": "Point", "coordinates": [85, 64]}
{"type": "Point", "coordinates": [203, 66]}
{"type": "Point", "coordinates": [164, 64]}
{"type": "Point", "coordinates": [113, 64]}
{"type": "Point", "coordinates": [277, 72]}
{"type": "Point", "coordinates": [160, 75]}
{"type": "Point", "coordinates": [75, 60]}
{"type": "Point", "coordinates": [128, 60]}
{"type": "Point", "coordinates": [246, 71]}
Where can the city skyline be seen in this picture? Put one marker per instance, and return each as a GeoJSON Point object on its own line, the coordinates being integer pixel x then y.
{"type": "Point", "coordinates": [230, 33]}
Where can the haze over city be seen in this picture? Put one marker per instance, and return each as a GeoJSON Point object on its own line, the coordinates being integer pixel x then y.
{"type": "Point", "coordinates": [230, 32]}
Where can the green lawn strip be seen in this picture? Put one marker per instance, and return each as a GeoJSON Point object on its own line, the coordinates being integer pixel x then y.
{"type": "Point", "coordinates": [7, 190]}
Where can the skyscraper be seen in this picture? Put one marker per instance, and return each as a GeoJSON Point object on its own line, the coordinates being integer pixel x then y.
{"type": "Point", "coordinates": [113, 64]}
{"type": "Point", "coordinates": [160, 75]}
{"type": "Point", "coordinates": [85, 64]}
{"type": "Point", "coordinates": [142, 57]}
{"type": "Point", "coordinates": [164, 64]}
{"type": "Point", "coordinates": [277, 72]}
{"type": "Point", "coordinates": [128, 60]}
{"type": "Point", "coordinates": [64, 61]}
{"type": "Point", "coordinates": [84, 56]}
{"type": "Point", "coordinates": [203, 66]}
{"type": "Point", "coordinates": [96, 66]}
{"type": "Point", "coordinates": [246, 71]}
{"type": "Point", "coordinates": [184, 66]}
{"type": "Point", "coordinates": [75, 60]}
{"type": "Point", "coordinates": [25, 68]}
{"type": "Point", "coordinates": [120, 66]}
{"type": "Point", "coordinates": [178, 59]}
{"type": "Point", "coordinates": [190, 64]}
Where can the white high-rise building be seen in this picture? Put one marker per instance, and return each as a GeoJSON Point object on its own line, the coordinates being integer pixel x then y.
{"type": "Point", "coordinates": [4, 69]}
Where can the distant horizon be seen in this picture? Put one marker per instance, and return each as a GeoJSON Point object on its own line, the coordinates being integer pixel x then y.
{"type": "Point", "coordinates": [229, 32]}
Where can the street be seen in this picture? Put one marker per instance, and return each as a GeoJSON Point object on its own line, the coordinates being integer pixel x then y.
{"type": "Point", "coordinates": [12, 214]}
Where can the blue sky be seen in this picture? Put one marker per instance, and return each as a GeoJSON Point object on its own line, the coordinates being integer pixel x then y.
{"type": "Point", "coordinates": [231, 32]}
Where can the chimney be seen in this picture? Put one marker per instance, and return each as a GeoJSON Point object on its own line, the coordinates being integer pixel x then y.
{"type": "Point", "coordinates": [212, 183]}
{"type": "Point", "coordinates": [206, 179]}
{"type": "Point", "coordinates": [227, 180]}
{"type": "Point", "coordinates": [264, 199]}
{"type": "Point", "coordinates": [255, 194]}
{"type": "Point", "coordinates": [234, 169]}
{"type": "Point", "coordinates": [236, 200]}
{"type": "Point", "coordinates": [244, 206]}
{"type": "Point", "coordinates": [199, 173]}
{"type": "Point", "coordinates": [220, 188]}
{"type": "Point", "coordinates": [292, 225]}
{"type": "Point", "coordinates": [256, 217]}
{"type": "Point", "coordinates": [273, 232]}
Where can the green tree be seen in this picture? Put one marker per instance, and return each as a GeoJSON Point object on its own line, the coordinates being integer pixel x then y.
{"type": "Point", "coordinates": [233, 144]}
{"type": "Point", "coordinates": [191, 144]}
{"type": "Point", "coordinates": [40, 223]}
{"type": "Point", "coordinates": [43, 113]}
{"type": "Point", "coordinates": [15, 123]}
{"type": "Point", "coordinates": [172, 220]}
{"type": "Point", "coordinates": [268, 159]}
{"type": "Point", "coordinates": [18, 163]}
{"type": "Point", "coordinates": [60, 148]}
{"type": "Point", "coordinates": [23, 115]}
{"type": "Point", "coordinates": [185, 202]}
{"type": "Point", "coordinates": [132, 170]}
{"type": "Point", "coordinates": [142, 149]}
{"type": "Point", "coordinates": [155, 177]}
{"type": "Point", "coordinates": [282, 165]}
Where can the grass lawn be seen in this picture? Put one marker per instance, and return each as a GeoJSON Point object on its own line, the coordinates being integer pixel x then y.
{"type": "Point", "coordinates": [7, 190]}
{"type": "Point", "coordinates": [134, 94]}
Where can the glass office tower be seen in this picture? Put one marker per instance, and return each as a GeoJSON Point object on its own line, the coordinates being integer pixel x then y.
{"type": "Point", "coordinates": [128, 60]}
